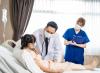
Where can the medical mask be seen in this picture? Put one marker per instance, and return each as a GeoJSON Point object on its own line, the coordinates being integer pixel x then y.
{"type": "Point", "coordinates": [77, 27]}
{"type": "Point", "coordinates": [48, 35]}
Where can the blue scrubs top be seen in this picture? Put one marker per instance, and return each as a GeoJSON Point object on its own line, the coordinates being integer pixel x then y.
{"type": "Point", "coordinates": [73, 53]}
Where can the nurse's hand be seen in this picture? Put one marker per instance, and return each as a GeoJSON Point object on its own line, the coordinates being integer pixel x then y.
{"type": "Point", "coordinates": [67, 42]}
{"type": "Point", "coordinates": [79, 45]}
{"type": "Point", "coordinates": [73, 43]}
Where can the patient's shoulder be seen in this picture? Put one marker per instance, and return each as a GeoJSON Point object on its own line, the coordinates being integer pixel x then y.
{"type": "Point", "coordinates": [25, 52]}
{"type": "Point", "coordinates": [29, 53]}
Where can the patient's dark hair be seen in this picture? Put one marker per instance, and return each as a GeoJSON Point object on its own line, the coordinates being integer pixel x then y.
{"type": "Point", "coordinates": [27, 38]}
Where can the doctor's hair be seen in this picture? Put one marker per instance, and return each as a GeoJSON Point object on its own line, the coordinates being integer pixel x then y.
{"type": "Point", "coordinates": [52, 24]}
{"type": "Point", "coordinates": [82, 20]}
{"type": "Point", "coordinates": [26, 39]}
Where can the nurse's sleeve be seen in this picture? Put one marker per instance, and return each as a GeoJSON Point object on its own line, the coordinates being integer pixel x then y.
{"type": "Point", "coordinates": [65, 35]}
{"type": "Point", "coordinates": [58, 49]}
{"type": "Point", "coordinates": [86, 39]}
{"type": "Point", "coordinates": [30, 63]}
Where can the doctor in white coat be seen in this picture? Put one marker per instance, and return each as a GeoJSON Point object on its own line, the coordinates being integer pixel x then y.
{"type": "Point", "coordinates": [48, 42]}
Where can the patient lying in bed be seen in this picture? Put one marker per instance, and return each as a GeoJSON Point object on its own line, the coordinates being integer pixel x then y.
{"type": "Point", "coordinates": [31, 54]}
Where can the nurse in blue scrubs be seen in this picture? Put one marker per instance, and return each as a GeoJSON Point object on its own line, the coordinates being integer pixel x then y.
{"type": "Point", "coordinates": [75, 41]}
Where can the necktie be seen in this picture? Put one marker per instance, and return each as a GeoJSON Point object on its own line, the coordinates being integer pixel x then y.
{"type": "Point", "coordinates": [46, 45]}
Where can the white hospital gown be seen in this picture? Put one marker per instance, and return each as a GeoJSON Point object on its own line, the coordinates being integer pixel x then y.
{"type": "Point", "coordinates": [30, 63]}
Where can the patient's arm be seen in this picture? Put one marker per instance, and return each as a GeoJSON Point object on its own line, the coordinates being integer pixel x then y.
{"type": "Point", "coordinates": [44, 65]}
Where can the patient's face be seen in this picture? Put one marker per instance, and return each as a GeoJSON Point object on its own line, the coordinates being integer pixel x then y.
{"type": "Point", "coordinates": [30, 45]}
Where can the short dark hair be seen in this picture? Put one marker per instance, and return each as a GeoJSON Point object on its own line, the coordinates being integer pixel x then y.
{"type": "Point", "coordinates": [27, 38]}
{"type": "Point", "coordinates": [52, 24]}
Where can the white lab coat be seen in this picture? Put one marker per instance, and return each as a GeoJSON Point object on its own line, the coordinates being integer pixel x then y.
{"type": "Point", "coordinates": [54, 47]}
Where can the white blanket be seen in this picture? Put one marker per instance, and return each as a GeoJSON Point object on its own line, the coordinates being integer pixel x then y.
{"type": "Point", "coordinates": [8, 64]}
{"type": "Point", "coordinates": [96, 70]}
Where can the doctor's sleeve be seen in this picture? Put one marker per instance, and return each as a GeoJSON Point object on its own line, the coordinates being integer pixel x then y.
{"type": "Point", "coordinates": [38, 43]}
{"type": "Point", "coordinates": [58, 50]}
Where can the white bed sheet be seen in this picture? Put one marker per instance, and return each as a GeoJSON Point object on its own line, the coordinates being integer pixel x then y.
{"type": "Point", "coordinates": [96, 70]}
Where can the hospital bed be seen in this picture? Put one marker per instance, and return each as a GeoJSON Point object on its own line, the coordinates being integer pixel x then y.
{"type": "Point", "coordinates": [9, 64]}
